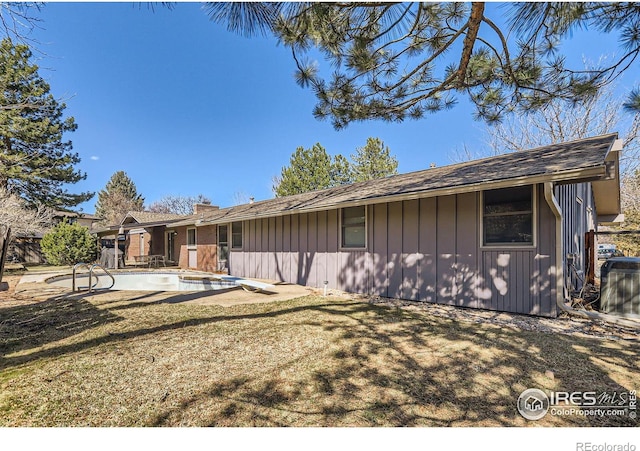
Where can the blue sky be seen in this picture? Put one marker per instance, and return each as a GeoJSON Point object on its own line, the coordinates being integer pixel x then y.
{"type": "Point", "coordinates": [185, 107]}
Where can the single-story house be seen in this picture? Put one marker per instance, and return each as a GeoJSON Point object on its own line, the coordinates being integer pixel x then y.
{"type": "Point", "coordinates": [498, 233]}
{"type": "Point", "coordinates": [145, 233]}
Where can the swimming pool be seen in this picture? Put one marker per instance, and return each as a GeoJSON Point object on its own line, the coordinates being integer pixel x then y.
{"type": "Point", "coordinates": [150, 281]}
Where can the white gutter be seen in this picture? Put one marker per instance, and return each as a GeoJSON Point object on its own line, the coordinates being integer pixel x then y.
{"type": "Point", "coordinates": [561, 291]}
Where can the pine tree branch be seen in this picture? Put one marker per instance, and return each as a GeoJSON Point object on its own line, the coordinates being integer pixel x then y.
{"type": "Point", "coordinates": [473, 26]}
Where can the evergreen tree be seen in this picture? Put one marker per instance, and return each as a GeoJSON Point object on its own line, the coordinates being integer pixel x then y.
{"type": "Point", "coordinates": [308, 170]}
{"type": "Point", "coordinates": [373, 161]}
{"type": "Point", "coordinates": [311, 170]}
{"type": "Point", "coordinates": [119, 197]}
{"type": "Point", "coordinates": [394, 61]}
{"type": "Point", "coordinates": [35, 162]}
{"type": "Point", "coordinates": [68, 244]}
{"type": "Point", "coordinates": [341, 171]}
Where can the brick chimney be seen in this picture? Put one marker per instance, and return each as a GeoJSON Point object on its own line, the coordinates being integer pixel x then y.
{"type": "Point", "coordinates": [201, 208]}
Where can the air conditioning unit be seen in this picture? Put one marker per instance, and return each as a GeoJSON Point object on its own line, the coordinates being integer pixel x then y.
{"type": "Point", "coordinates": [620, 287]}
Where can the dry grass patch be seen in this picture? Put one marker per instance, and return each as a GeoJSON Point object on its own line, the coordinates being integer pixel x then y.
{"type": "Point", "coordinates": [131, 360]}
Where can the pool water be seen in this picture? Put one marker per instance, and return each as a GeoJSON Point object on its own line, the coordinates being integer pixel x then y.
{"type": "Point", "coordinates": [144, 281]}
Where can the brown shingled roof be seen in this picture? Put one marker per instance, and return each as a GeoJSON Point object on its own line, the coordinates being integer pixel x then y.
{"type": "Point", "coordinates": [573, 161]}
{"type": "Point", "coordinates": [144, 217]}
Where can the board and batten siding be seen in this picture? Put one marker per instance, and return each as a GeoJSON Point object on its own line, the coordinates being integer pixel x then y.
{"type": "Point", "coordinates": [424, 250]}
{"type": "Point", "coordinates": [578, 217]}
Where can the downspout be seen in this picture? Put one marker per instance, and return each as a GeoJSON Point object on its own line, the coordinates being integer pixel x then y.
{"type": "Point", "coordinates": [561, 291]}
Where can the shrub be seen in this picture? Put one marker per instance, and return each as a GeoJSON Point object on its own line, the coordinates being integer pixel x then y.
{"type": "Point", "coordinates": [68, 244]}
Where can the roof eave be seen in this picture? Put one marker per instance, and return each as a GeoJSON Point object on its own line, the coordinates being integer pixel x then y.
{"type": "Point", "coordinates": [610, 220]}
{"type": "Point", "coordinates": [115, 228]}
{"type": "Point", "coordinates": [606, 192]}
{"type": "Point", "coordinates": [578, 175]}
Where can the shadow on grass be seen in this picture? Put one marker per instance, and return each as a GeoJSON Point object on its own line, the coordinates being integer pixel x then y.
{"type": "Point", "coordinates": [382, 366]}
{"type": "Point", "coordinates": [426, 372]}
{"type": "Point", "coordinates": [35, 325]}
{"type": "Point", "coordinates": [64, 316]}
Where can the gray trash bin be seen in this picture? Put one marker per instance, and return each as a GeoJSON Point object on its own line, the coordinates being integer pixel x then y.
{"type": "Point", "coordinates": [107, 258]}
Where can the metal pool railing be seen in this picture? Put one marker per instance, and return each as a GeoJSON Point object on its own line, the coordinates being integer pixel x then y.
{"type": "Point", "coordinates": [91, 269]}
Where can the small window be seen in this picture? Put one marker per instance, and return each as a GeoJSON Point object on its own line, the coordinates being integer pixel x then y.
{"type": "Point", "coordinates": [223, 243]}
{"type": "Point", "coordinates": [222, 234]}
{"type": "Point", "coordinates": [191, 237]}
{"type": "Point", "coordinates": [354, 227]}
{"type": "Point", "coordinates": [508, 216]}
{"type": "Point", "coordinates": [236, 235]}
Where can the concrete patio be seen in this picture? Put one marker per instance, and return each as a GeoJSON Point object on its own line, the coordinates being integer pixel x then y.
{"type": "Point", "coordinates": [34, 288]}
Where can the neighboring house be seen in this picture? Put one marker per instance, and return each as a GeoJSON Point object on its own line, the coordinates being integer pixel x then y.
{"type": "Point", "coordinates": [84, 219]}
{"type": "Point", "coordinates": [493, 233]}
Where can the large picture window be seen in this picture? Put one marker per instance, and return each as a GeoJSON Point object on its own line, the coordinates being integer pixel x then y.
{"type": "Point", "coordinates": [508, 216]}
{"type": "Point", "coordinates": [354, 227]}
{"type": "Point", "coordinates": [236, 235]}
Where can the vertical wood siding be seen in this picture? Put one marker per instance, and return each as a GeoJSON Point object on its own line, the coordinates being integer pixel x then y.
{"type": "Point", "coordinates": [427, 250]}
{"type": "Point", "coordinates": [332, 248]}
{"type": "Point", "coordinates": [578, 217]}
{"type": "Point", "coordinates": [466, 254]}
{"type": "Point", "coordinates": [410, 287]}
{"type": "Point", "coordinates": [446, 249]}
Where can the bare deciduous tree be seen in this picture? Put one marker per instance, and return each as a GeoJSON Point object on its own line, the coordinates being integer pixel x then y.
{"type": "Point", "coordinates": [17, 19]}
{"type": "Point", "coordinates": [561, 122]}
{"type": "Point", "coordinates": [179, 205]}
{"type": "Point", "coordinates": [630, 191]}
{"type": "Point", "coordinates": [22, 220]}
{"type": "Point", "coordinates": [17, 219]}
{"type": "Point", "coordinates": [240, 198]}
{"type": "Point", "coordinates": [630, 243]}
